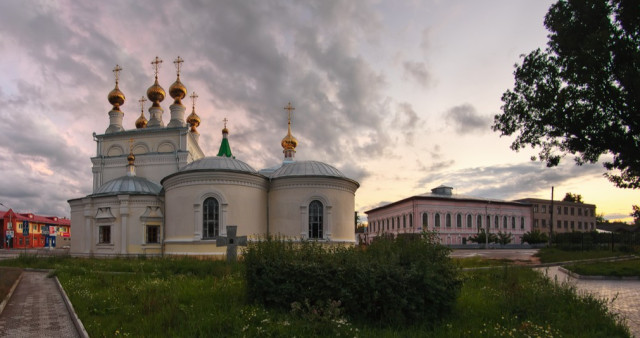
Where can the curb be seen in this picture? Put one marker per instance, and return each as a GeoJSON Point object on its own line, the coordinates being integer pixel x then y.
{"type": "Point", "coordinates": [13, 288]}
{"type": "Point", "coordinates": [72, 312]}
{"type": "Point", "coordinates": [590, 277]}
{"type": "Point", "coordinates": [560, 264]}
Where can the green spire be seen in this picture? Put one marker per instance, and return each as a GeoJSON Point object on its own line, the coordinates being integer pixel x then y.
{"type": "Point", "coordinates": [225, 148]}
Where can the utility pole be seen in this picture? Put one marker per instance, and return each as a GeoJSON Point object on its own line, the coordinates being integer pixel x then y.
{"type": "Point", "coordinates": [551, 225]}
{"type": "Point", "coordinates": [486, 233]}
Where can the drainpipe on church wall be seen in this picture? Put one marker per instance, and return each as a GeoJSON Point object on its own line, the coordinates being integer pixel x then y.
{"type": "Point", "coordinates": [268, 191]}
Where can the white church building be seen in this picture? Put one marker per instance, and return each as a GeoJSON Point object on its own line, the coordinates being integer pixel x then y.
{"type": "Point", "coordinates": [155, 192]}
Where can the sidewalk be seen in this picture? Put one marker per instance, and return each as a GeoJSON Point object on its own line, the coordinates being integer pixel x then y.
{"type": "Point", "coordinates": [37, 309]}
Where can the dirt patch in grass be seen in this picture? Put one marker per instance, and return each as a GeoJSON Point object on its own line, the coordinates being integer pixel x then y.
{"type": "Point", "coordinates": [8, 276]}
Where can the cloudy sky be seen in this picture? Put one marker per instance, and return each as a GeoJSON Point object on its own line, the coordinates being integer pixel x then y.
{"type": "Point", "coordinates": [399, 95]}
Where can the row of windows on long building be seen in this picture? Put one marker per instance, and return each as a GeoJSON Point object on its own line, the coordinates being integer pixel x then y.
{"type": "Point", "coordinates": [567, 224]}
{"type": "Point", "coordinates": [440, 220]}
{"type": "Point", "coordinates": [567, 210]}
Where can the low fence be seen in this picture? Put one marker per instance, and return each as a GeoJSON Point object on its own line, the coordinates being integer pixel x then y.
{"type": "Point", "coordinates": [582, 241]}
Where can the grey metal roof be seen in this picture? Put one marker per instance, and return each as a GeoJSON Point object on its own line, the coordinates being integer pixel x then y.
{"type": "Point", "coordinates": [218, 163]}
{"type": "Point", "coordinates": [306, 168]}
{"type": "Point", "coordinates": [129, 185]}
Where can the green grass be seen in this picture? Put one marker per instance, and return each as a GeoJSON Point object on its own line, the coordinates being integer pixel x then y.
{"type": "Point", "coordinates": [553, 255]}
{"type": "Point", "coordinates": [189, 298]}
{"type": "Point", "coordinates": [627, 268]}
{"type": "Point", "coordinates": [8, 276]}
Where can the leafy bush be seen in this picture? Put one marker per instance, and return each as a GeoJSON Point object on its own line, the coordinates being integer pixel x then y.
{"type": "Point", "coordinates": [480, 238]}
{"type": "Point", "coordinates": [535, 237]}
{"type": "Point", "coordinates": [504, 238]}
{"type": "Point", "coordinates": [392, 281]}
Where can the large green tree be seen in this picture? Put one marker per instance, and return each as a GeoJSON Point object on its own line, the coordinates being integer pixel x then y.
{"type": "Point", "coordinates": [575, 198]}
{"type": "Point", "coordinates": [581, 94]}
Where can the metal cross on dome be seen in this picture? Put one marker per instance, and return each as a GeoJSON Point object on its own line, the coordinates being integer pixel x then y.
{"type": "Point", "coordinates": [156, 64]}
{"type": "Point", "coordinates": [289, 108]}
{"type": "Point", "coordinates": [231, 241]}
{"type": "Point", "coordinates": [178, 61]}
{"type": "Point", "coordinates": [116, 71]}
{"type": "Point", "coordinates": [193, 97]}
{"type": "Point", "coordinates": [225, 121]}
{"type": "Point", "coordinates": [142, 101]}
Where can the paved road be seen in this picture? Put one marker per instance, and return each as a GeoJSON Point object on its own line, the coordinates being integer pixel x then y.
{"type": "Point", "coordinates": [623, 296]}
{"type": "Point", "coordinates": [513, 254]}
{"type": "Point", "coordinates": [36, 309]}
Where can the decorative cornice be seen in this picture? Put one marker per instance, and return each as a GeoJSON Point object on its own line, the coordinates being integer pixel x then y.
{"type": "Point", "coordinates": [141, 159]}
{"type": "Point", "coordinates": [318, 182]}
{"type": "Point", "coordinates": [114, 201]}
{"type": "Point", "coordinates": [215, 177]}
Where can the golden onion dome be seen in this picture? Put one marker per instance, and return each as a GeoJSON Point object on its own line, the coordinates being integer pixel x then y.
{"type": "Point", "coordinates": [131, 158]}
{"type": "Point", "coordinates": [225, 130]}
{"type": "Point", "coordinates": [156, 93]}
{"type": "Point", "coordinates": [193, 120]}
{"type": "Point", "coordinates": [178, 91]}
{"type": "Point", "coordinates": [116, 98]}
{"type": "Point", "coordinates": [141, 122]}
{"type": "Point", "coordinates": [289, 142]}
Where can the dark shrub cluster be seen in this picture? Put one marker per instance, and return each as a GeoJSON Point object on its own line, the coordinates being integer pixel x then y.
{"type": "Point", "coordinates": [626, 241]}
{"type": "Point", "coordinates": [392, 281]}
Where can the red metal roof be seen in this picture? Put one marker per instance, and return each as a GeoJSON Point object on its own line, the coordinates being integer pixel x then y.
{"type": "Point", "coordinates": [53, 220]}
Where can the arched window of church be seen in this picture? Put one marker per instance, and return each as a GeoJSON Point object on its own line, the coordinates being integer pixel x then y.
{"type": "Point", "coordinates": [521, 222]}
{"type": "Point", "coordinates": [410, 220]}
{"type": "Point", "coordinates": [437, 220]}
{"type": "Point", "coordinates": [504, 222]}
{"type": "Point", "coordinates": [497, 222]}
{"type": "Point", "coordinates": [448, 220]}
{"type": "Point", "coordinates": [315, 219]}
{"type": "Point", "coordinates": [469, 219]}
{"type": "Point", "coordinates": [459, 221]}
{"type": "Point", "coordinates": [479, 222]}
{"type": "Point", "coordinates": [210, 218]}
{"type": "Point", "coordinates": [404, 221]}
{"type": "Point", "coordinates": [425, 221]}
{"type": "Point", "coordinates": [513, 222]}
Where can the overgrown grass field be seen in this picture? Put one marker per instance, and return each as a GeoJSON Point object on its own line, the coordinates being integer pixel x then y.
{"type": "Point", "coordinates": [553, 255]}
{"type": "Point", "coordinates": [182, 297]}
{"type": "Point", "coordinates": [628, 268]}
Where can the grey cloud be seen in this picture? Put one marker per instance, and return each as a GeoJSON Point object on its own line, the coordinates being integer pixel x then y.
{"type": "Point", "coordinates": [465, 119]}
{"type": "Point", "coordinates": [373, 206]}
{"type": "Point", "coordinates": [417, 71]}
{"type": "Point", "coordinates": [510, 181]}
{"type": "Point", "coordinates": [435, 162]}
{"type": "Point", "coordinates": [615, 216]}
{"type": "Point", "coordinates": [408, 120]}
{"type": "Point", "coordinates": [355, 172]}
